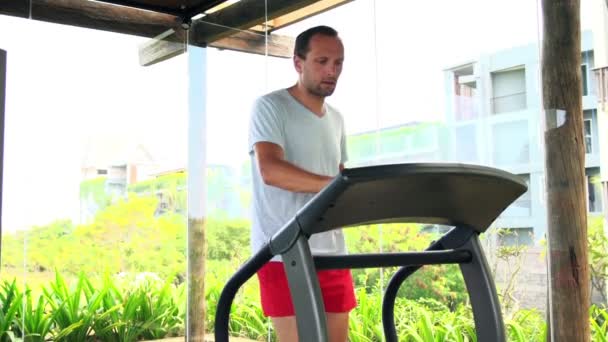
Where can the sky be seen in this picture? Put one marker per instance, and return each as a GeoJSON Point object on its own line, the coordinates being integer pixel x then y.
{"type": "Point", "coordinates": [77, 95]}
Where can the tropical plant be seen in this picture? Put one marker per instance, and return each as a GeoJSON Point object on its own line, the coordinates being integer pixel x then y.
{"type": "Point", "coordinates": [10, 298]}
{"type": "Point", "coordinates": [35, 319]}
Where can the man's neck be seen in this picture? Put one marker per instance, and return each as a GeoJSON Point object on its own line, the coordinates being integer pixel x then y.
{"type": "Point", "coordinates": [313, 102]}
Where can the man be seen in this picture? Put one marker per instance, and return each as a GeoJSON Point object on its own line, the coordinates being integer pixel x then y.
{"type": "Point", "coordinates": [298, 144]}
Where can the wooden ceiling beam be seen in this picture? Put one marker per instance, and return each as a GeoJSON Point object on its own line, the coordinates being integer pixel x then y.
{"type": "Point", "coordinates": [233, 21]}
{"type": "Point", "coordinates": [170, 44]}
{"type": "Point", "coordinates": [17, 8]}
{"type": "Point", "coordinates": [301, 14]}
{"type": "Point", "coordinates": [224, 28]}
{"type": "Point", "coordinates": [242, 15]}
{"type": "Point", "coordinates": [93, 15]}
{"type": "Point", "coordinates": [126, 20]}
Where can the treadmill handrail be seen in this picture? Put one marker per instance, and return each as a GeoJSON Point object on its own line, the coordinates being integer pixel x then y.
{"type": "Point", "coordinates": [437, 193]}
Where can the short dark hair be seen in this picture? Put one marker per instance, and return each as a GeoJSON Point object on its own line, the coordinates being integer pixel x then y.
{"type": "Point", "coordinates": [303, 40]}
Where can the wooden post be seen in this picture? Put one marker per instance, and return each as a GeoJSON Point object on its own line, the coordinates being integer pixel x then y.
{"type": "Point", "coordinates": [197, 165]}
{"type": "Point", "coordinates": [569, 289]}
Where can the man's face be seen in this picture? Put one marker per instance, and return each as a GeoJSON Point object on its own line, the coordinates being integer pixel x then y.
{"type": "Point", "coordinates": [320, 71]}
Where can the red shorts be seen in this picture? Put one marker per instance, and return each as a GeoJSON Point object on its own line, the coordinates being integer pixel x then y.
{"type": "Point", "coordinates": [336, 287]}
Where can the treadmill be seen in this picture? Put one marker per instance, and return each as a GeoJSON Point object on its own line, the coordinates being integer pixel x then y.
{"type": "Point", "coordinates": [467, 197]}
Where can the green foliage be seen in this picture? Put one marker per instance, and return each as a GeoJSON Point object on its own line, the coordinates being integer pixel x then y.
{"type": "Point", "coordinates": [131, 236]}
{"type": "Point", "coordinates": [365, 321]}
{"type": "Point", "coordinates": [140, 307]}
{"type": "Point", "coordinates": [95, 190]}
{"type": "Point", "coordinates": [598, 254]}
{"type": "Point", "coordinates": [599, 323]}
{"type": "Point", "coordinates": [526, 325]}
{"type": "Point", "coordinates": [74, 320]}
{"type": "Point", "coordinates": [440, 282]}
{"type": "Point", "coordinates": [150, 310]}
{"type": "Point", "coordinates": [38, 242]}
{"type": "Point", "coordinates": [145, 309]}
{"type": "Point", "coordinates": [10, 298]}
{"type": "Point", "coordinates": [36, 320]}
{"type": "Point", "coordinates": [227, 239]}
{"type": "Point", "coordinates": [124, 237]}
{"type": "Point", "coordinates": [169, 181]}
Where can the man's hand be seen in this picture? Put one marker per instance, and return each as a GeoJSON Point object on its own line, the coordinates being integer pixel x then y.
{"type": "Point", "coordinates": [276, 171]}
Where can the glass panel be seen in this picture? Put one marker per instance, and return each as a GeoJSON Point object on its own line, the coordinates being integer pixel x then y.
{"type": "Point", "coordinates": [510, 143]}
{"type": "Point", "coordinates": [490, 65]}
{"type": "Point", "coordinates": [232, 72]}
{"type": "Point", "coordinates": [95, 173]}
{"type": "Point", "coordinates": [403, 99]}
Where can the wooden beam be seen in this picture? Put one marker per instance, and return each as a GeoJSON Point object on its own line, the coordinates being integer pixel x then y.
{"type": "Point", "coordinates": [224, 27]}
{"type": "Point", "coordinates": [301, 14]}
{"type": "Point", "coordinates": [171, 44]}
{"type": "Point", "coordinates": [228, 21]}
{"type": "Point", "coordinates": [275, 45]}
{"type": "Point", "coordinates": [17, 8]}
{"type": "Point", "coordinates": [241, 16]}
{"type": "Point", "coordinates": [112, 18]}
{"type": "Point", "coordinates": [93, 15]}
{"type": "Point", "coordinates": [160, 48]}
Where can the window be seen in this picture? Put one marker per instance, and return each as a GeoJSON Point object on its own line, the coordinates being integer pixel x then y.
{"type": "Point", "coordinates": [584, 79]}
{"type": "Point", "coordinates": [588, 136]}
{"type": "Point", "coordinates": [508, 91]}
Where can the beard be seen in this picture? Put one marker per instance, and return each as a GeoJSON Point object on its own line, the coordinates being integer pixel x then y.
{"type": "Point", "coordinates": [321, 90]}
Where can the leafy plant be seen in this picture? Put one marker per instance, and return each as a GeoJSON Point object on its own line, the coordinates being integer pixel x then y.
{"type": "Point", "coordinates": [598, 255]}
{"type": "Point", "coordinates": [73, 319]}
{"type": "Point", "coordinates": [37, 322]}
{"type": "Point", "coordinates": [10, 298]}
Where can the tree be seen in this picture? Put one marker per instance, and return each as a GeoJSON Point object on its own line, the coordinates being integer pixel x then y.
{"type": "Point", "coordinates": [569, 294]}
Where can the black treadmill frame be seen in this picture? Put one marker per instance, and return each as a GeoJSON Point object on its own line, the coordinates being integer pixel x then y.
{"type": "Point", "coordinates": [458, 246]}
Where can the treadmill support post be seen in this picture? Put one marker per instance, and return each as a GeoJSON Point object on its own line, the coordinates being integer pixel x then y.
{"type": "Point", "coordinates": [482, 293]}
{"type": "Point", "coordinates": [301, 274]}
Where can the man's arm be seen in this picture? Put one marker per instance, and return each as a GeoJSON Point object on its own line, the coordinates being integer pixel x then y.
{"type": "Point", "coordinates": [276, 171]}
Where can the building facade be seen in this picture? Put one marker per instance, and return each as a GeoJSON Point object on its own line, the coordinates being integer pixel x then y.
{"type": "Point", "coordinates": [494, 116]}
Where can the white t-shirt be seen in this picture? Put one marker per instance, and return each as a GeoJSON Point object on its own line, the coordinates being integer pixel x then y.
{"type": "Point", "coordinates": [315, 144]}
